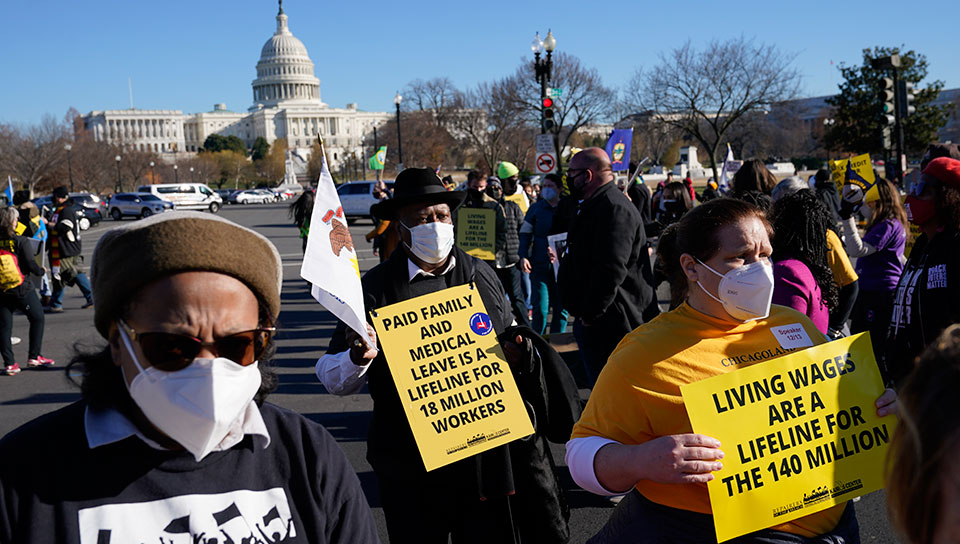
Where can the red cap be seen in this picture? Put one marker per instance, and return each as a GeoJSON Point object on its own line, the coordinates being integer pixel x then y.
{"type": "Point", "coordinates": [945, 170]}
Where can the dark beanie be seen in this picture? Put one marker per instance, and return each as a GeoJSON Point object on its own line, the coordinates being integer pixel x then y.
{"type": "Point", "coordinates": [131, 256]}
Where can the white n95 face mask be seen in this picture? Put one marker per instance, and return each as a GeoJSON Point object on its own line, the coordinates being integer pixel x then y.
{"type": "Point", "coordinates": [431, 242]}
{"type": "Point", "coordinates": [745, 291]}
{"type": "Point", "coordinates": [198, 405]}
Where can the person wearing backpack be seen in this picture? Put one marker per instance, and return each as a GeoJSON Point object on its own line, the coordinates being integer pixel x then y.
{"type": "Point", "coordinates": [17, 262]}
{"type": "Point", "coordinates": [64, 247]}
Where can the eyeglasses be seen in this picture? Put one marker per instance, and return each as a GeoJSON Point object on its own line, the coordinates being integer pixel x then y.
{"type": "Point", "coordinates": [171, 352]}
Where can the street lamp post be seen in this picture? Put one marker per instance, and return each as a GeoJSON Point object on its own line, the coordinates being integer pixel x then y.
{"type": "Point", "coordinates": [68, 147]}
{"type": "Point", "coordinates": [827, 125]}
{"type": "Point", "coordinates": [396, 100]}
{"type": "Point", "coordinates": [542, 68]}
{"type": "Point", "coordinates": [191, 175]}
{"type": "Point", "coordinates": [153, 178]}
{"type": "Point", "coordinates": [119, 183]}
{"type": "Point", "coordinates": [176, 174]}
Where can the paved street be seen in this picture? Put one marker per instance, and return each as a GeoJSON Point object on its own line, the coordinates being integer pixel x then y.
{"type": "Point", "coordinates": [305, 332]}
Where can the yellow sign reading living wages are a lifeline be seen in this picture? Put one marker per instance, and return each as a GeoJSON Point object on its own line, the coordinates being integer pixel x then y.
{"type": "Point", "coordinates": [476, 232]}
{"type": "Point", "coordinates": [456, 388]}
{"type": "Point", "coordinates": [800, 434]}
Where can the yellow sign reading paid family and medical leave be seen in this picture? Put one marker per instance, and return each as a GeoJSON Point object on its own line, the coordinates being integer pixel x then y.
{"type": "Point", "coordinates": [800, 434]}
{"type": "Point", "coordinates": [457, 391]}
{"type": "Point", "coordinates": [476, 232]}
{"type": "Point", "coordinates": [862, 175]}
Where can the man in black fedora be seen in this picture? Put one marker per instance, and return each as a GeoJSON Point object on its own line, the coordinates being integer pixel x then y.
{"type": "Point", "coordinates": [505, 494]}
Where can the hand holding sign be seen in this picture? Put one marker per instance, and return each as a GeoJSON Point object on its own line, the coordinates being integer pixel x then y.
{"type": "Point", "coordinates": [682, 458]}
{"type": "Point", "coordinates": [360, 352]}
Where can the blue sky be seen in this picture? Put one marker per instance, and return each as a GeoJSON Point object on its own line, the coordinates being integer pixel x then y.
{"type": "Point", "coordinates": [188, 55]}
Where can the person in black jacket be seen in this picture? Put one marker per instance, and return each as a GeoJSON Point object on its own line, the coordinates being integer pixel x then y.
{"type": "Point", "coordinates": [22, 297]}
{"type": "Point", "coordinates": [493, 496]}
{"type": "Point", "coordinates": [927, 298]}
{"type": "Point", "coordinates": [640, 195]}
{"type": "Point", "coordinates": [605, 277]}
{"type": "Point", "coordinates": [65, 259]}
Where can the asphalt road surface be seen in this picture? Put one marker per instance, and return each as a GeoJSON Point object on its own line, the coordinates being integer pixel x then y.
{"type": "Point", "coordinates": [305, 330]}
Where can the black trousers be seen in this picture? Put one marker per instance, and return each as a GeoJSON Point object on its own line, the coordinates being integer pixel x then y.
{"type": "Point", "coordinates": [637, 520]}
{"type": "Point", "coordinates": [26, 300]}
{"type": "Point", "coordinates": [432, 509]}
{"type": "Point", "coordinates": [510, 278]}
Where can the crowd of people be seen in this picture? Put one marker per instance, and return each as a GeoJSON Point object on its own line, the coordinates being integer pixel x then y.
{"type": "Point", "coordinates": [178, 438]}
{"type": "Point", "coordinates": [29, 238]}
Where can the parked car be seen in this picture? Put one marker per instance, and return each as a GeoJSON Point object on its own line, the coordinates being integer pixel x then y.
{"type": "Point", "coordinates": [91, 209]}
{"type": "Point", "coordinates": [225, 193]}
{"type": "Point", "coordinates": [137, 205]}
{"type": "Point", "coordinates": [356, 197]}
{"type": "Point", "coordinates": [253, 196]}
{"type": "Point", "coordinates": [186, 196]}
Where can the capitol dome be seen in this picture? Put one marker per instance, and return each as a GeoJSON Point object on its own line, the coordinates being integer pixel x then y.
{"type": "Point", "coordinates": [285, 71]}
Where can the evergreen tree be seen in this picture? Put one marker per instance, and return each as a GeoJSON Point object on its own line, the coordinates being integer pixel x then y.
{"type": "Point", "coordinates": [858, 107]}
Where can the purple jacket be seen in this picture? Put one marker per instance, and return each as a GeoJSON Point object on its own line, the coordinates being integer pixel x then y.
{"type": "Point", "coordinates": [795, 287]}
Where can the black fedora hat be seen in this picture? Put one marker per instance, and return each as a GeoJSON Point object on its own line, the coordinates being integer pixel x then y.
{"type": "Point", "coordinates": [417, 186]}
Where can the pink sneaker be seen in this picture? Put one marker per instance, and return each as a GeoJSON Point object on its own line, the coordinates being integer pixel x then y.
{"type": "Point", "coordinates": [40, 361]}
{"type": "Point", "coordinates": [12, 370]}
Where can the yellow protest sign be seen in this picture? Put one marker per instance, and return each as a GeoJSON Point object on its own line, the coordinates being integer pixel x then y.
{"type": "Point", "coordinates": [856, 171]}
{"type": "Point", "coordinates": [457, 390]}
{"type": "Point", "coordinates": [476, 232]}
{"type": "Point", "coordinates": [800, 433]}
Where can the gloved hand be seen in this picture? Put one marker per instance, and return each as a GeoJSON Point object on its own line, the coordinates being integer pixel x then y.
{"type": "Point", "coordinates": [847, 209]}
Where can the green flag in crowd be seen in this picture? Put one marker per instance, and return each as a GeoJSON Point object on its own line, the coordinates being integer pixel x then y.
{"type": "Point", "coordinates": [379, 158]}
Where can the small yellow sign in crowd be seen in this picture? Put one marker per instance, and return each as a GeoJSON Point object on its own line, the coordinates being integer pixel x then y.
{"type": "Point", "coordinates": [800, 434]}
{"type": "Point", "coordinates": [476, 232]}
{"type": "Point", "coordinates": [456, 388]}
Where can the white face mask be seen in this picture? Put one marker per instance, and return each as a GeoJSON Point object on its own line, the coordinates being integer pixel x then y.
{"type": "Point", "coordinates": [198, 405]}
{"type": "Point", "coordinates": [745, 291]}
{"type": "Point", "coordinates": [431, 242]}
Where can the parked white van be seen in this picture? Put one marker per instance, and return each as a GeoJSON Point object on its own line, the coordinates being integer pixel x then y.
{"type": "Point", "coordinates": [186, 196]}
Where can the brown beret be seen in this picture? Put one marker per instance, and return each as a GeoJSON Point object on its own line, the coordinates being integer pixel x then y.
{"type": "Point", "coordinates": [130, 256]}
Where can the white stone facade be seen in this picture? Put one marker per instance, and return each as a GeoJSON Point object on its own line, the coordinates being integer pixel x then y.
{"type": "Point", "coordinates": [286, 104]}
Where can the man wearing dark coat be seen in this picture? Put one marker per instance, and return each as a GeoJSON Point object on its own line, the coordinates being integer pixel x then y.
{"type": "Point", "coordinates": [506, 494]}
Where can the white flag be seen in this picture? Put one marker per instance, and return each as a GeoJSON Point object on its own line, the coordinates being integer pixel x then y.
{"type": "Point", "coordinates": [724, 184]}
{"type": "Point", "coordinates": [330, 261]}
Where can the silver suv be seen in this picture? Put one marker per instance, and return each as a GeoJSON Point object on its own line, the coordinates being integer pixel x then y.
{"type": "Point", "coordinates": [137, 205]}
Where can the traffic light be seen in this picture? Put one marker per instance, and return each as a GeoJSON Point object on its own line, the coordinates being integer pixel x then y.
{"type": "Point", "coordinates": [886, 98]}
{"type": "Point", "coordinates": [906, 99]}
{"type": "Point", "coordinates": [887, 138]}
{"type": "Point", "coordinates": [548, 115]}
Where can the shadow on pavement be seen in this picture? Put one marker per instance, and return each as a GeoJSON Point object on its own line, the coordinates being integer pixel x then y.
{"type": "Point", "coordinates": [45, 398]}
{"type": "Point", "coordinates": [344, 426]}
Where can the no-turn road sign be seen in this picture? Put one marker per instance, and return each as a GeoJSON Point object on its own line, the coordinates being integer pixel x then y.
{"type": "Point", "coordinates": [546, 163]}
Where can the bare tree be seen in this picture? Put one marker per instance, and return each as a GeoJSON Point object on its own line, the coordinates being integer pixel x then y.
{"type": "Point", "coordinates": [135, 165]}
{"type": "Point", "coordinates": [33, 153]}
{"type": "Point", "coordinates": [486, 119]}
{"type": "Point", "coordinates": [585, 99]}
{"type": "Point", "coordinates": [437, 95]}
{"type": "Point", "coordinates": [705, 93]}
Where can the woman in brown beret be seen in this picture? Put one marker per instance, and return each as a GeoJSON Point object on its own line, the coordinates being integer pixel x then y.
{"type": "Point", "coordinates": [172, 440]}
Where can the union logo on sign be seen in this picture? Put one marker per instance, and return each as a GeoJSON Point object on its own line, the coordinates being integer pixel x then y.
{"type": "Point", "coordinates": [480, 324]}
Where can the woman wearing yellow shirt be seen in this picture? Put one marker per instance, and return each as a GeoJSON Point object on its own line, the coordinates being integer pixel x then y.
{"type": "Point", "coordinates": [635, 434]}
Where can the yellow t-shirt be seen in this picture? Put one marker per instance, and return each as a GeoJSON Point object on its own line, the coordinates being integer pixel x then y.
{"type": "Point", "coordinates": [843, 272]}
{"type": "Point", "coordinates": [637, 397]}
{"type": "Point", "coordinates": [520, 198]}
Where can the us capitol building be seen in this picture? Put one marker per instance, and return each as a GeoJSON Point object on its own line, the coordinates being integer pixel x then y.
{"type": "Point", "coordinates": [286, 104]}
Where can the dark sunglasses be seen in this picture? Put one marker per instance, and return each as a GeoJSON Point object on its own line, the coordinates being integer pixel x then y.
{"type": "Point", "coordinates": [171, 352]}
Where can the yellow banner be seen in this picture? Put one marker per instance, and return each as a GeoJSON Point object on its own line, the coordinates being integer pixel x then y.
{"type": "Point", "coordinates": [800, 433]}
{"type": "Point", "coordinates": [457, 390]}
{"type": "Point", "coordinates": [476, 232]}
{"type": "Point", "coordinates": [862, 177]}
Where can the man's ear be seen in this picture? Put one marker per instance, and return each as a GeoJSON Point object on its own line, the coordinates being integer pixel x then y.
{"type": "Point", "coordinates": [688, 265]}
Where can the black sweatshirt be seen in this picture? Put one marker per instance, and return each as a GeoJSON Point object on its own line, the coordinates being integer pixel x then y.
{"type": "Point", "coordinates": [926, 301]}
{"type": "Point", "coordinates": [300, 488]}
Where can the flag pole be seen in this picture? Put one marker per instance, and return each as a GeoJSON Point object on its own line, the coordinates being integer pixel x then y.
{"type": "Point", "coordinates": [323, 153]}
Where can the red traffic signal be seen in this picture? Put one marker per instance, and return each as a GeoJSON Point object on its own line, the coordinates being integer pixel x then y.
{"type": "Point", "coordinates": [548, 102]}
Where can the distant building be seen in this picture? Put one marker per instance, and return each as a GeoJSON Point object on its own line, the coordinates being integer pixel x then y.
{"type": "Point", "coordinates": [286, 104]}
